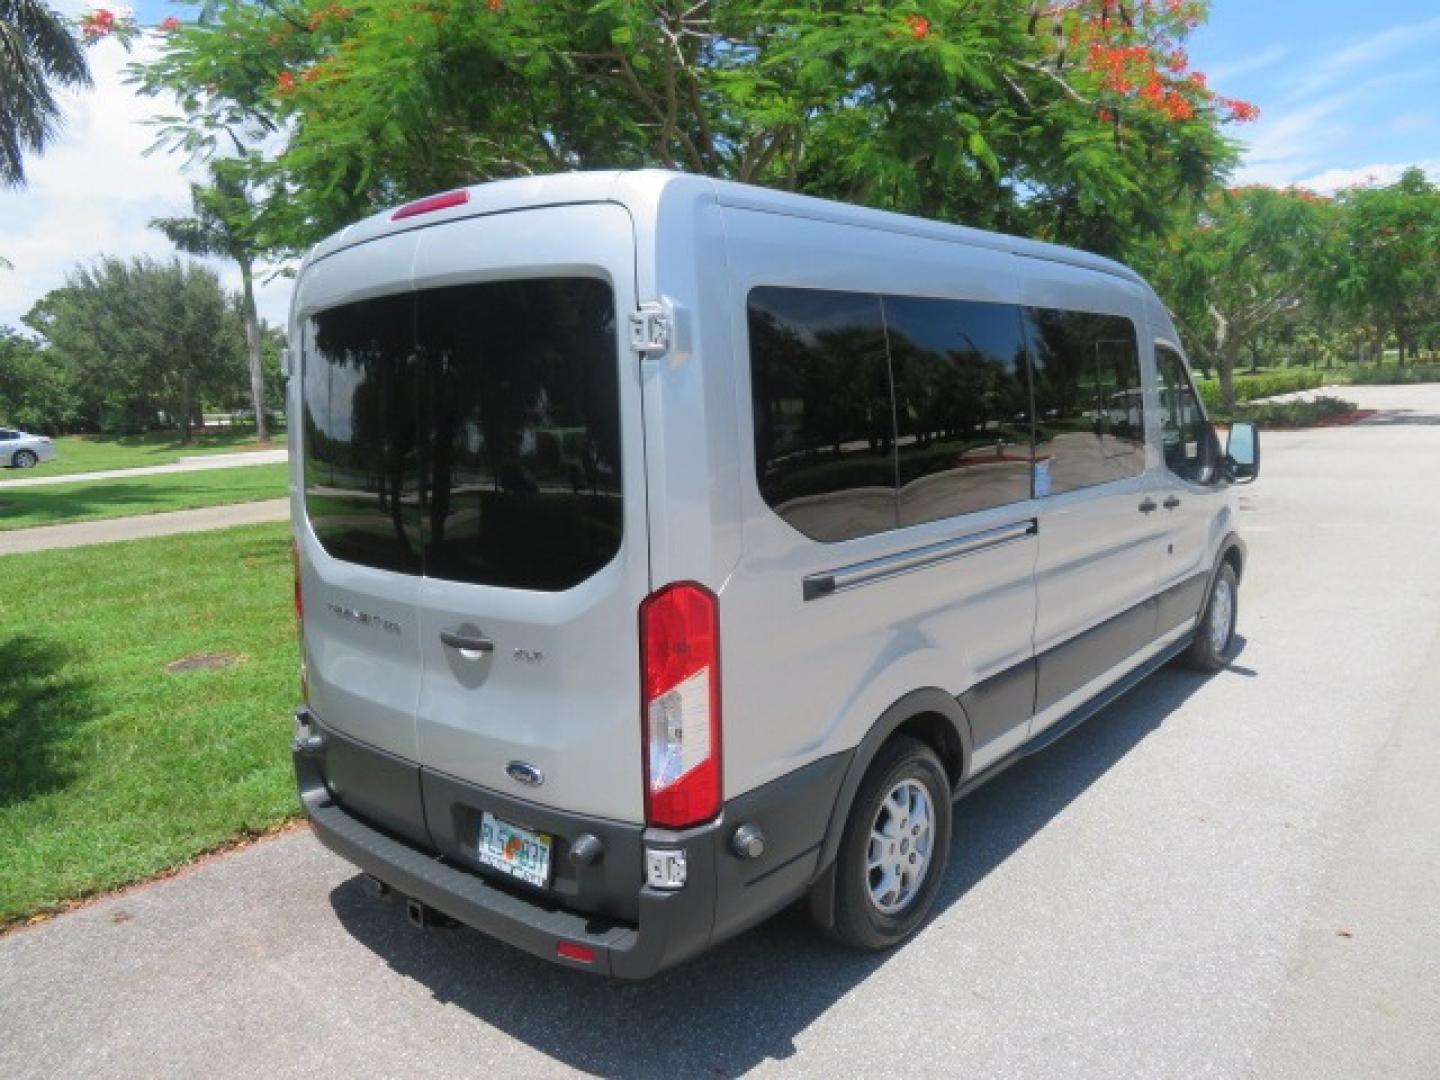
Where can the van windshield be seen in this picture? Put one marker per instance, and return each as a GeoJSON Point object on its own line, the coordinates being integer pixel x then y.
{"type": "Point", "coordinates": [470, 433]}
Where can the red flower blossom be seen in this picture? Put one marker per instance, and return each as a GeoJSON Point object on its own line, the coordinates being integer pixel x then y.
{"type": "Point", "coordinates": [169, 24]}
{"type": "Point", "coordinates": [919, 26]}
{"type": "Point", "coordinates": [493, 5]}
{"type": "Point", "coordinates": [284, 83]}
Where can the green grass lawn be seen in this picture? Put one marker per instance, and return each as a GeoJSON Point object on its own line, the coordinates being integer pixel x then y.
{"type": "Point", "coordinates": [90, 500]}
{"type": "Point", "coordinates": [93, 453]}
{"type": "Point", "coordinates": [111, 768]}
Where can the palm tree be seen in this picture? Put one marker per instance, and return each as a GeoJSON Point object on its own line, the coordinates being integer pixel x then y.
{"type": "Point", "coordinates": [36, 51]}
{"type": "Point", "coordinates": [224, 223]}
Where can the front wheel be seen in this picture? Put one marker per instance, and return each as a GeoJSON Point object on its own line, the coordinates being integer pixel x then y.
{"type": "Point", "coordinates": [895, 849]}
{"type": "Point", "coordinates": [24, 459]}
{"type": "Point", "coordinates": [1215, 633]}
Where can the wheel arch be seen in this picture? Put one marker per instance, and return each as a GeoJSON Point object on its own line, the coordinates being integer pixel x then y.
{"type": "Point", "coordinates": [931, 715]}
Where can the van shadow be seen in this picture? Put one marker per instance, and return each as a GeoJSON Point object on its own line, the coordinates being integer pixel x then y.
{"type": "Point", "coordinates": [42, 700]}
{"type": "Point", "coordinates": [743, 1003]}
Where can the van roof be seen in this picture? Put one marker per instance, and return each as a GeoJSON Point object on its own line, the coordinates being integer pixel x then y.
{"type": "Point", "coordinates": [639, 189]}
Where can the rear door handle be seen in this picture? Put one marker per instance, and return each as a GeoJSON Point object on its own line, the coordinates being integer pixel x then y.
{"type": "Point", "coordinates": [1148, 506]}
{"type": "Point", "coordinates": [1172, 502]}
{"type": "Point", "coordinates": [466, 642]}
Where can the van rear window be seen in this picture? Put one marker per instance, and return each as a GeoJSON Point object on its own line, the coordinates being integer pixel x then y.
{"type": "Point", "coordinates": [470, 433]}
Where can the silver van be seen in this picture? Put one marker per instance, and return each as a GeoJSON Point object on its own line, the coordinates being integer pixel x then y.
{"type": "Point", "coordinates": [669, 550]}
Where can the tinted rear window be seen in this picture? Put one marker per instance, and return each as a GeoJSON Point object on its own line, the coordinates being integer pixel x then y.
{"type": "Point", "coordinates": [470, 433]}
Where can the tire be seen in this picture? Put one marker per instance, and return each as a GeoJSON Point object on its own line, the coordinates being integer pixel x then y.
{"type": "Point", "coordinates": [24, 459]}
{"type": "Point", "coordinates": [875, 910]}
{"type": "Point", "coordinates": [1214, 639]}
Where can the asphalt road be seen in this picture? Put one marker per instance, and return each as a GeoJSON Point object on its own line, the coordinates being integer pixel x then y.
{"type": "Point", "coordinates": [1228, 876]}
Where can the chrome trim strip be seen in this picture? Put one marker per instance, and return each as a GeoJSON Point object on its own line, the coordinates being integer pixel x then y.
{"type": "Point", "coordinates": [814, 586]}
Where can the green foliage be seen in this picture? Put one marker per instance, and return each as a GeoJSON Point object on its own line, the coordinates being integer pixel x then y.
{"type": "Point", "coordinates": [1301, 413]}
{"type": "Point", "coordinates": [37, 53]}
{"type": "Point", "coordinates": [111, 768]}
{"type": "Point", "coordinates": [1067, 122]}
{"type": "Point", "coordinates": [36, 394]}
{"type": "Point", "coordinates": [1269, 384]}
{"type": "Point", "coordinates": [1383, 259]}
{"type": "Point", "coordinates": [1387, 376]}
{"type": "Point", "coordinates": [139, 338]}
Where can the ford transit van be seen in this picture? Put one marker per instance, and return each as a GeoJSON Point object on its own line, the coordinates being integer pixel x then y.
{"type": "Point", "coordinates": [669, 550]}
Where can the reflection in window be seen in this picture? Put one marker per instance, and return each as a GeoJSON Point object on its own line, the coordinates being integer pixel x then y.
{"type": "Point", "coordinates": [1187, 437]}
{"type": "Point", "coordinates": [361, 472]}
{"type": "Point", "coordinates": [1089, 408]}
{"type": "Point", "coordinates": [523, 480]}
{"type": "Point", "coordinates": [824, 427]}
{"type": "Point", "coordinates": [962, 406]}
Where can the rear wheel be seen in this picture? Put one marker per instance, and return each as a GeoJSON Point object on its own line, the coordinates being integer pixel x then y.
{"type": "Point", "coordinates": [1215, 633]}
{"type": "Point", "coordinates": [896, 845]}
{"type": "Point", "coordinates": [24, 459]}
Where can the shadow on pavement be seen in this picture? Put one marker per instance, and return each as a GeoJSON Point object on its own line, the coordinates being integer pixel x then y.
{"type": "Point", "coordinates": [744, 1002]}
{"type": "Point", "coordinates": [41, 702]}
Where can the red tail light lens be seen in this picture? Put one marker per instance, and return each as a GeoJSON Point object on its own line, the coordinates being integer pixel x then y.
{"type": "Point", "coordinates": [431, 204]}
{"type": "Point", "coordinates": [680, 683]}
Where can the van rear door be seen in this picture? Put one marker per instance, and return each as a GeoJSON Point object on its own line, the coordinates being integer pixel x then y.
{"type": "Point", "coordinates": [357, 511]}
{"type": "Point", "coordinates": [534, 523]}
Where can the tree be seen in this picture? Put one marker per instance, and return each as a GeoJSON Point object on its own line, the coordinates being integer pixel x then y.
{"type": "Point", "coordinates": [1250, 257]}
{"type": "Point", "coordinates": [226, 223]}
{"type": "Point", "coordinates": [142, 337]}
{"type": "Point", "coordinates": [1071, 120]}
{"type": "Point", "coordinates": [37, 53]}
{"type": "Point", "coordinates": [1383, 264]}
{"type": "Point", "coordinates": [36, 393]}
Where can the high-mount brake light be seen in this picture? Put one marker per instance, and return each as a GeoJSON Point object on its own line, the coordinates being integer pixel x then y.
{"type": "Point", "coordinates": [431, 204]}
{"type": "Point", "coordinates": [680, 683]}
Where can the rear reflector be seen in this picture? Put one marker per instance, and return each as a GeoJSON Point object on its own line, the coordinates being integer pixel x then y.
{"type": "Point", "coordinates": [680, 683]}
{"type": "Point", "coordinates": [581, 954]}
{"type": "Point", "coordinates": [431, 204]}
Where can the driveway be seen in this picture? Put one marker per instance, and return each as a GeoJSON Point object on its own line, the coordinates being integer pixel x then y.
{"type": "Point", "coordinates": [1215, 877]}
{"type": "Point", "coordinates": [200, 463]}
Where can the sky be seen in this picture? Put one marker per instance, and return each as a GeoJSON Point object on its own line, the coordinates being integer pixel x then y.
{"type": "Point", "coordinates": [1349, 93]}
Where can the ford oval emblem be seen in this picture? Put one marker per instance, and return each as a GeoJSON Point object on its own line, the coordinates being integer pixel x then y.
{"type": "Point", "coordinates": [524, 773]}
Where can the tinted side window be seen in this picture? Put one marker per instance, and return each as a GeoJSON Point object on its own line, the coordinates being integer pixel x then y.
{"type": "Point", "coordinates": [824, 425]}
{"type": "Point", "coordinates": [361, 462]}
{"type": "Point", "coordinates": [1185, 434]}
{"type": "Point", "coordinates": [523, 477]}
{"type": "Point", "coordinates": [962, 404]}
{"type": "Point", "coordinates": [1089, 412]}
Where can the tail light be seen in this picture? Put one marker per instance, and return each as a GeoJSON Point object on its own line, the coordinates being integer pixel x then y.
{"type": "Point", "coordinates": [680, 681]}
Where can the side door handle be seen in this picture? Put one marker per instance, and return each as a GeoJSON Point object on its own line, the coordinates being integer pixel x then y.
{"type": "Point", "coordinates": [1172, 502]}
{"type": "Point", "coordinates": [1148, 506]}
{"type": "Point", "coordinates": [466, 642]}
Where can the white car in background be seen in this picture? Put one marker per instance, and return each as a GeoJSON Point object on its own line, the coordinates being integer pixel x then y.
{"type": "Point", "coordinates": [21, 450]}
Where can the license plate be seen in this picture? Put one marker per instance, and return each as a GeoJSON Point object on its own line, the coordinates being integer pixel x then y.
{"type": "Point", "coordinates": [519, 852]}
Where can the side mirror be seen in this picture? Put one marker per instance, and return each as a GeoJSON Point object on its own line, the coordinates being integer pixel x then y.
{"type": "Point", "coordinates": [1242, 452]}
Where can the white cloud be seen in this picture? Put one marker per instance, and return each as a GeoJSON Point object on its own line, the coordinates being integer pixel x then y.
{"type": "Point", "coordinates": [1327, 69]}
{"type": "Point", "coordinates": [1226, 70]}
{"type": "Point", "coordinates": [1333, 180]}
{"type": "Point", "coordinates": [95, 191]}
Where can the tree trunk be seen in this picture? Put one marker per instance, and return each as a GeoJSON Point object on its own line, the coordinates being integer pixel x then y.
{"type": "Point", "coordinates": [252, 347]}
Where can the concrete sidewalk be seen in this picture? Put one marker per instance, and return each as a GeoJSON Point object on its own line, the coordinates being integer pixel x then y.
{"type": "Point", "coordinates": [80, 533]}
{"type": "Point", "coordinates": [202, 463]}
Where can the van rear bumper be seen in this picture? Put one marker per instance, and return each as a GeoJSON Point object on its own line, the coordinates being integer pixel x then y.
{"type": "Point", "coordinates": [723, 893]}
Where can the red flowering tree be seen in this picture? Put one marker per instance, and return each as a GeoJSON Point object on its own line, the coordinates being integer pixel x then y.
{"type": "Point", "coordinates": [1077, 120]}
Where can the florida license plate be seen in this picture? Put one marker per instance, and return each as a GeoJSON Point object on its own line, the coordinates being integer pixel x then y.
{"type": "Point", "coordinates": [519, 852]}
